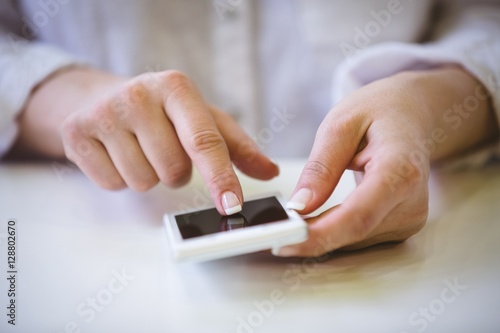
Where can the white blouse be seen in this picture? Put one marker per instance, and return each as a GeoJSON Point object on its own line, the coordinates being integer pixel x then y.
{"type": "Point", "coordinates": [278, 66]}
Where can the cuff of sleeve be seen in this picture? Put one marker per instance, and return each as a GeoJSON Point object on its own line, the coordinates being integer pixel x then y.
{"type": "Point", "coordinates": [23, 68]}
{"type": "Point", "coordinates": [390, 58]}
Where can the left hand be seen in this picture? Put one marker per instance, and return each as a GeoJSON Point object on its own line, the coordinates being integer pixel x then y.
{"type": "Point", "coordinates": [387, 132]}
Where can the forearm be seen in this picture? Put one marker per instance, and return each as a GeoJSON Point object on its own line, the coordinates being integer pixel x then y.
{"type": "Point", "coordinates": [51, 102]}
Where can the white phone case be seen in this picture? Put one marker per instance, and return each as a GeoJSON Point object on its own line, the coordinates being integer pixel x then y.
{"type": "Point", "coordinates": [235, 242]}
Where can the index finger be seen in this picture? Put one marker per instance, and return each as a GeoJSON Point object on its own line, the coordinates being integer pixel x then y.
{"type": "Point", "coordinates": [200, 137]}
{"type": "Point", "coordinates": [335, 145]}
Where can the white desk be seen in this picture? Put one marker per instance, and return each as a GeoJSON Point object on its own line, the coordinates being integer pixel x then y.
{"type": "Point", "coordinates": [73, 239]}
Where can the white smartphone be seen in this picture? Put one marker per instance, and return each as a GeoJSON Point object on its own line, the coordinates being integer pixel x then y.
{"type": "Point", "coordinates": [263, 224]}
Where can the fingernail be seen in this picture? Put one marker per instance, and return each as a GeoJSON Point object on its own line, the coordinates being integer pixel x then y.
{"type": "Point", "coordinates": [283, 252]}
{"type": "Point", "coordinates": [300, 199]}
{"type": "Point", "coordinates": [231, 203]}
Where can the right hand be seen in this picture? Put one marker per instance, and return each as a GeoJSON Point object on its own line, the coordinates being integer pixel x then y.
{"type": "Point", "coordinates": [151, 128]}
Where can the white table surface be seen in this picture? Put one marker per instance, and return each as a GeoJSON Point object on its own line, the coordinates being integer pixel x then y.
{"type": "Point", "coordinates": [73, 239]}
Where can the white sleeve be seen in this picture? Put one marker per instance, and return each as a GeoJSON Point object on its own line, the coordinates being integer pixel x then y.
{"type": "Point", "coordinates": [23, 65]}
{"type": "Point", "coordinates": [470, 37]}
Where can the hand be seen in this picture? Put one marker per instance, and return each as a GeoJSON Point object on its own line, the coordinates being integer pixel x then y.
{"type": "Point", "coordinates": [137, 132]}
{"type": "Point", "coordinates": [388, 132]}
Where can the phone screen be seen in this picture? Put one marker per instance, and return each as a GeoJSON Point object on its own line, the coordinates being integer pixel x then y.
{"type": "Point", "coordinates": [209, 221]}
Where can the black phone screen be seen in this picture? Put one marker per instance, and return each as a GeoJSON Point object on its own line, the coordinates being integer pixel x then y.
{"type": "Point", "coordinates": [209, 221]}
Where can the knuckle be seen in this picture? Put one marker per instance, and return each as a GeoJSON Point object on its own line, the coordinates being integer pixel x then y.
{"type": "Point", "coordinates": [418, 221]}
{"type": "Point", "coordinates": [173, 76]}
{"type": "Point", "coordinates": [101, 109]}
{"type": "Point", "coordinates": [71, 131]}
{"type": "Point", "coordinates": [135, 92]}
{"type": "Point", "coordinates": [112, 183]}
{"type": "Point", "coordinates": [343, 126]}
{"type": "Point", "coordinates": [206, 141]}
{"type": "Point", "coordinates": [176, 175]}
{"type": "Point", "coordinates": [402, 176]}
{"type": "Point", "coordinates": [318, 170]}
{"type": "Point", "coordinates": [361, 225]}
{"type": "Point", "coordinates": [126, 106]}
{"type": "Point", "coordinates": [417, 176]}
{"type": "Point", "coordinates": [143, 184]}
{"type": "Point", "coordinates": [99, 112]}
{"type": "Point", "coordinates": [120, 107]}
{"type": "Point", "coordinates": [413, 176]}
{"type": "Point", "coordinates": [176, 82]}
{"type": "Point", "coordinates": [100, 121]}
{"type": "Point", "coordinates": [223, 179]}
{"type": "Point", "coordinates": [77, 142]}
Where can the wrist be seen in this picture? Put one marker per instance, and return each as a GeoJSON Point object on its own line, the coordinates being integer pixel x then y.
{"type": "Point", "coordinates": [455, 110]}
{"type": "Point", "coordinates": [64, 92]}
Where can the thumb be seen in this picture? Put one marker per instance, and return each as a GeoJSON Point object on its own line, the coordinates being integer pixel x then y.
{"type": "Point", "coordinates": [334, 147]}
